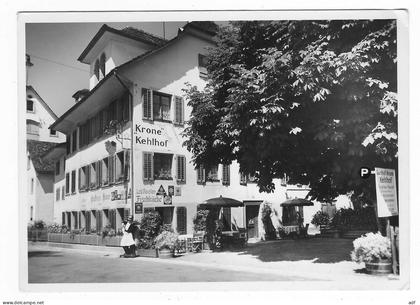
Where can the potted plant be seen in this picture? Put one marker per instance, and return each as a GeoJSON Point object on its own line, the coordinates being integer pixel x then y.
{"type": "Point", "coordinates": [374, 250]}
{"type": "Point", "coordinates": [166, 242]}
{"type": "Point", "coordinates": [321, 219]}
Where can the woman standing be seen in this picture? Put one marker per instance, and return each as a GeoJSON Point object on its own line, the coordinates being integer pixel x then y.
{"type": "Point", "coordinates": [127, 241]}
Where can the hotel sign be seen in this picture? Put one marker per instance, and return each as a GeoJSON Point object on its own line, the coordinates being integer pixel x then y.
{"type": "Point", "coordinates": [386, 192]}
{"type": "Point", "coordinates": [150, 135]}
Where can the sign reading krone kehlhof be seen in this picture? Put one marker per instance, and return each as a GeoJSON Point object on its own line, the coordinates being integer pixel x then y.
{"type": "Point", "coordinates": [386, 192]}
{"type": "Point", "coordinates": [150, 135]}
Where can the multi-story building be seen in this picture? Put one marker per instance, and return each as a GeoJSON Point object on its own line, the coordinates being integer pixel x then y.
{"type": "Point", "coordinates": [40, 171]}
{"type": "Point", "coordinates": [125, 152]}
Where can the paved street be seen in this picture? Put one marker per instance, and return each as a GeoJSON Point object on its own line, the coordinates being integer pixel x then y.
{"type": "Point", "coordinates": [68, 266]}
{"type": "Point", "coordinates": [322, 261]}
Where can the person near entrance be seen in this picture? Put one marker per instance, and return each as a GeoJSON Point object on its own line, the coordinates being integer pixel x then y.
{"type": "Point", "coordinates": [127, 241]}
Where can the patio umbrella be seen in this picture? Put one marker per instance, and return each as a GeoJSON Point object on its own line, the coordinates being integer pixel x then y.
{"type": "Point", "coordinates": [221, 202]}
{"type": "Point", "coordinates": [297, 202]}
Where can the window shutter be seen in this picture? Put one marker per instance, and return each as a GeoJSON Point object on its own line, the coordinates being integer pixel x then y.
{"type": "Point", "coordinates": [80, 177]}
{"type": "Point", "coordinates": [242, 179]}
{"type": "Point", "coordinates": [226, 174]}
{"type": "Point", "coordinates": [111, 165]}
{"type": "Point", "coordinates": [201, 178]}
{"type": "Point", "coordinates": [126, 165]}
{"type": "Point", "coordinates": [181, 220]}
{"type": "Point", "coordinates": [63, 218]}
{"type": "Point", "coordinates": [147, 104]}
{"type": "Point", "coordinates": [180, 168]}
{"type": "Point", "coordinates": [148, 166]}
{"type": "Point", "coordinates": [126, 213]}
{"type": "Point", "coordinates": [179, 110]}
{"type": "Point", "coordinates": [98, 173]}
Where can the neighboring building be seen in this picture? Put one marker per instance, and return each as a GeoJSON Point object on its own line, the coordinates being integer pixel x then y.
{"type": "Point", "coordinates": [124, 141]}
{"type": "Point", "coordinates": [39, 117]}
{"type": "Point", "coordinates": [40, 140]}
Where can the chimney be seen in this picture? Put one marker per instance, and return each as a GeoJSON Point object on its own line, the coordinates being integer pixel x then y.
{"type": "Point", "coordinates": [80, 95]}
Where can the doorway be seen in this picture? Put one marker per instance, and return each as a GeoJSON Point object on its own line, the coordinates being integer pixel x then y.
{"type": "Point", "coordinates": [251, 217]}
{"type": "Point", "coordinates": [166, 214]}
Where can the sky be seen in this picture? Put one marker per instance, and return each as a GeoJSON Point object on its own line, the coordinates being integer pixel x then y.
{"type": "Point", "coordinates": [54, 48]}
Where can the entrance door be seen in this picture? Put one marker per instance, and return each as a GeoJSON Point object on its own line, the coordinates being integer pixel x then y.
{"type": "Point", "coordinates": [252, 220]}
{"type": "Point", "coordinates": [167, 214]}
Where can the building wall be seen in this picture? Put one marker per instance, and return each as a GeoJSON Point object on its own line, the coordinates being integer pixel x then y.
{"type": "Point", "coordinates": [44, 197]}
{"type": "Point", "coordinates": [166, 71]}
{"type": "Point", "coordinates": [31, 191]}
{"type": "Point", "coordinates": [59, 190]}
{"type": "Point", "coordinates": [44, 118]}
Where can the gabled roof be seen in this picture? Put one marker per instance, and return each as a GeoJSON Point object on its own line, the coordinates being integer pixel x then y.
{"type": "Point", "coordinates": [129, 32]}
{"type": "Point", "coordinates": [39, 98]}
{"type": "Point", "coordinates": [208, 27]}
{"type": "Point", "coordinates": [36, 150]}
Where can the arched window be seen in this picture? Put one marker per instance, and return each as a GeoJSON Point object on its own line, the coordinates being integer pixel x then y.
{"type": "Point", "coordinates": [102, 62]}
{"type": "Point", "coordinates": [96, 69]}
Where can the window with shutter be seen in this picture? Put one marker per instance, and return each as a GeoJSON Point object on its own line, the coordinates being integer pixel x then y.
{"type": "Point", "coordinates": [201, 177]}
{"type": "Point", "coordinates": [147, 104]}
{"type": "Point", "coordinates": [148, 166]}
{"type": "Point", "coordinates": [181, 168]}
{"type": "Point", "coordinates": [179, 110]}
{"type": "Point", "coordinates": [226, 174]}
{"type": "Point", "coordinates": [99, 221]}
{"type": "Point", "coordinates": [181, 220]}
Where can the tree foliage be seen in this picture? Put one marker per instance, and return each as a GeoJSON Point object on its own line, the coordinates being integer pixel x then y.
{"type": "Point", "coordinates": [315, 100]}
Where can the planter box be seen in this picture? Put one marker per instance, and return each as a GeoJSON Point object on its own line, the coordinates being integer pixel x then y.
{"type": "Point", "coordinates": [165, 254]}
{"type": "Point", "coordinates": [55, 237]}
{"type": "Point", "coordinates": [89, 239]}
{"type": "Point", "coordinates": [379, 267]}
{"type": "Point", "coordinates": [147, 252]}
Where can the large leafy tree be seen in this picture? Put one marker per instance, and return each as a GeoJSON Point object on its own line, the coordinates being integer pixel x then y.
{"type": "Point", "coordinates": [314, 100]}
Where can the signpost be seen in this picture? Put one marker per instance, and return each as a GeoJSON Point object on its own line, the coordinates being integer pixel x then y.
{"type": "Point", "coordinates": [387, 205]}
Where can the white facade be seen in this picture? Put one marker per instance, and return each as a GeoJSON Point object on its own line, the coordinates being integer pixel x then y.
{"type": "Point", "coordinates": [148, 152]}
{"type": "Point", "coordinates": [39, 117]}
{"type": "Point", "coordinates": [39, 175]}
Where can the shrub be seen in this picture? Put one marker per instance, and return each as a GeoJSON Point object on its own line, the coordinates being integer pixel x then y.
{"type": "Point", "coordinates": [358, 219]}
{"type": "Point", "coordinates": [371, 247]}
{"type": "Point", "coordinates": [320, 219]}
{"type": "Point", "coordinates": [150, 227]}
{"type": "Point", "coordinates": [205, 221]}
{"type": "Point", "coordinates": [166, 240]}
{"type": "Point", "coordinates": [54, 228]}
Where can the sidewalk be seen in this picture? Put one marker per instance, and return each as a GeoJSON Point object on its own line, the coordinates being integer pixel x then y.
{"type": "Point", "coordinates": [313, 259]}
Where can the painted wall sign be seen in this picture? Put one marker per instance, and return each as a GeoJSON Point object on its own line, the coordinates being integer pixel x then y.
{"type": "Point", "coordinates": [171, 190]}
{"type": "Point", "coordinates": [386, 192]}
{"type": "Point", "coordinates": [178, 191]}
{"type": "Point", "coordinates": [147, 195]}
{"type": "Point", "coordinates": [138, 207]}
{"type": "Point", "coordinates": [150, 135]}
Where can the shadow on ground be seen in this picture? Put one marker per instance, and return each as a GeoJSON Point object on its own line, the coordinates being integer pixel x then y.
{"type": "Point", "coordinates": [44, 254]}
{"type": "Point", "coordinates": [318, 250]}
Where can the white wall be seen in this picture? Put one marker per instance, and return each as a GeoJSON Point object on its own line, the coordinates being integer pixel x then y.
{"type": "Point", "coordinates": [42, 116]}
